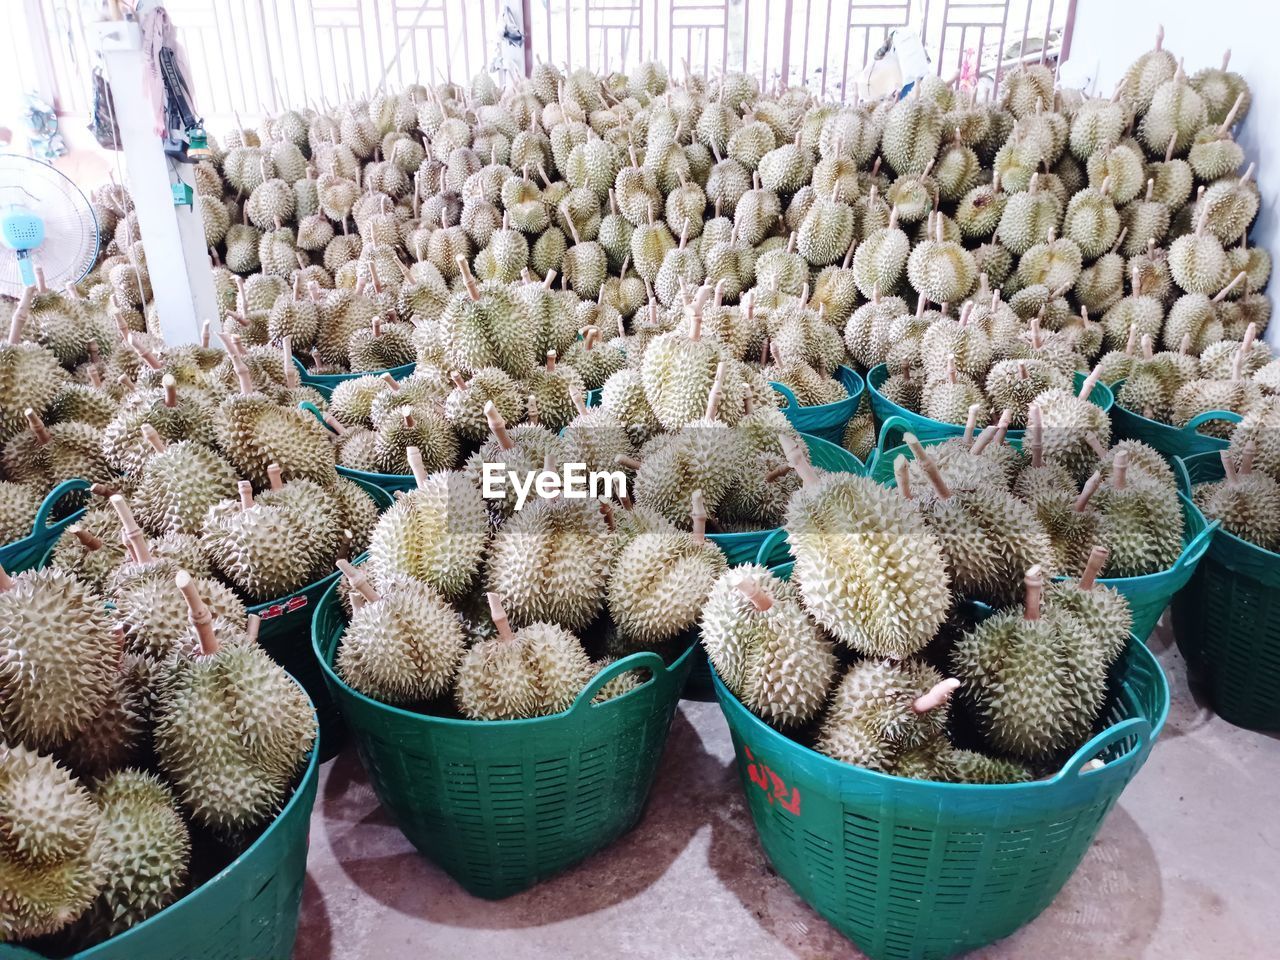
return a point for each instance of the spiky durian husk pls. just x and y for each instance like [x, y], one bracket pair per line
[269, 551]
[869, 569]
[775, 661]
[30, 377]
[403, 648]
[142, 849]
[256, 433]
[871, 722]
[18, 505]
[57, 658]
[1068, 421]
[232, 732]
[1103, 611]
[154, 616]
[703, 456]
[48, 821]
[659, 584]
[1248, 507]
[540, 671]
[550, 563]
[179, 486]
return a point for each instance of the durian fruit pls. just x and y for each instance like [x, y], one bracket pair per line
[551, 562]
[941, 270]
[1072, 426]
[58, 657]
[48, 822]
[596, 437]
[487, 326]
[1246, 501]
[419, 427]
[179, 484]
[533, 672]
[1195, 316]
[18, 505]
[888, 716]
[152, 615]
[1103, 610]
[1014, 384]
[435, 533]
[30, 375]
[1034, 677]
[1141, 522]
[232, 729]
[1197, 261]
[268, 550]
[868, 568]
[1147, 73]
[660, 580]
[464, 406]
[142, 849]
[880, 260]
[986, 533]
[948, 397]
[765, 648]
[401, 647]
[47, 455]
[517, 451]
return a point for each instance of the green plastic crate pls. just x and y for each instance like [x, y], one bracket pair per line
[927, 429]
[1227, 622]
[1148, 596]
[917, 870]
[503, 804]
[825, 421]
[740, 548]
[286, 636]
[325, 382]
[1170, 440]
[29, 552]
[248, 911]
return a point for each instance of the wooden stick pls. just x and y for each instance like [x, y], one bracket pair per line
[197, 613]
[1093, 566]
[755, 594]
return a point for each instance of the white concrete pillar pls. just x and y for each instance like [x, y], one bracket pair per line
[177, 259]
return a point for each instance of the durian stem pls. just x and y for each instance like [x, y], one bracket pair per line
[6, 581]
[1035, 435]
[575, 396]
[243, 376]
[94, 375]
[928, 465]
[1246, 458]
[37, 427]
[1235, 282]
[714, 394]
[406, 418]
[286, 360]
[755, 594]
[359, 582]
[498, 426]
[971, 421]
[626, 462]
[1228, 466]
[1091, 381]
[143, 351]
[1235, 108]
[152, 436]
[698, 514]
[1093, 566]
[198, 613]
[252, 627]
[499, 616]
[548, 280]
[606, 511]
[473, 291]
[777, 473]
[41, 286]
[531, 410]
[1148, 348]
[170, 391]
[1034, 582]
[333, 423]
[936, 696]
[87, 539]
[902, 475]
[1120, 470]
[274, 479]
[246, 494]
[799, 460]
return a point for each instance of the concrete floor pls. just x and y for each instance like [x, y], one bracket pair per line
[1185, 867]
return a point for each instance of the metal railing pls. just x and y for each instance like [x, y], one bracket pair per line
[256, 57]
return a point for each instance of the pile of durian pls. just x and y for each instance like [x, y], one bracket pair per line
[468, 608]
[143, 745]
[858, 655]
[1247, 497]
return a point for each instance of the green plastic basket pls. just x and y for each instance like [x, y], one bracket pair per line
[917, 870]
[503, 804]
[1227, 622]
[286, 636]
[826, 421]
[29, 552]
[1170, 440]
[325, 382]
[248, 910]
[740, 548]
[1148, 596]
[927, 429]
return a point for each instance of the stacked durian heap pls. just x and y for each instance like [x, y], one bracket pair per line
[142, 748]
[859, 653]
[1247, 498]
[469, 608]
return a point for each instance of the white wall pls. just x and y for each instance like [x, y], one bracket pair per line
[1109, 34]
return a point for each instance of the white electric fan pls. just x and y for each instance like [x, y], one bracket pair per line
[45, 222]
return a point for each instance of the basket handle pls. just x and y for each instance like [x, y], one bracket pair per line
[1138, 727]
[312, 409]
[1193, 425]
[890, 424]
[1198, 545]
[41, 522]
[644, 660]
[1183, 475]
[782, 388]
[776, 538]
[852, 381]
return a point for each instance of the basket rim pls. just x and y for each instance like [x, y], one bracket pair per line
[1189, 428]
[1076, 761]
[850, 379]
[1212, 456]
[329, 599]
[333, 379]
